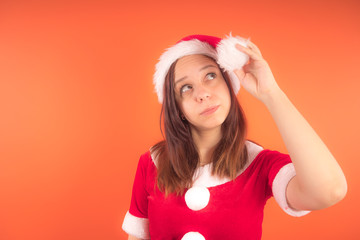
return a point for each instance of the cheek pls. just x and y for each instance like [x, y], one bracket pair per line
[226, 97]
[181, 106]
[185, 108]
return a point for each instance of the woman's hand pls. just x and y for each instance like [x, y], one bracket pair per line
[256, 76]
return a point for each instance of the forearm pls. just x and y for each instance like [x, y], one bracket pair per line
[319, 177]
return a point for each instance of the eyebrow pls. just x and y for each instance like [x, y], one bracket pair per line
[201, 69]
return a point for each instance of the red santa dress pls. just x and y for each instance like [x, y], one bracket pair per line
[212, 208]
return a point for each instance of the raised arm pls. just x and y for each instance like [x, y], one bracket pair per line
[319, 180]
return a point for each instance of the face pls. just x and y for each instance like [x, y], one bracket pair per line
[201, 92]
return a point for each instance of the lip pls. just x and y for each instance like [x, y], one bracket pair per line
[210, 110]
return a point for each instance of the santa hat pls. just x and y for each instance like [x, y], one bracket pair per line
[223, 51]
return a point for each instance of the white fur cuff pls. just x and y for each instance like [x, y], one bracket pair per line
[283, 177]
[135, 226]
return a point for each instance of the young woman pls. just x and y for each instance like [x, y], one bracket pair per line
[205, 180]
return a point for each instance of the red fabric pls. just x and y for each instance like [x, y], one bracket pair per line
[235, 209]
[213, 41]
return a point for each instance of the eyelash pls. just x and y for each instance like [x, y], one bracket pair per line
[182, 87]
[211, 74]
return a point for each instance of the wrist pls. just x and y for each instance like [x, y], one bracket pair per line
[273, 97]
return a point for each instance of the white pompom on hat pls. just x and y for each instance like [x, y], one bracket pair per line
[223, 51]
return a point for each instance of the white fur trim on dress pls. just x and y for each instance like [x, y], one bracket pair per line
[197, 198]
[135, 226]
[193, 236]
[226, 55]
[281, 180]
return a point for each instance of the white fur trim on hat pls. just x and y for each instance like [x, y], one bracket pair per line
[230, 58]
[175, 52]
[226, 55]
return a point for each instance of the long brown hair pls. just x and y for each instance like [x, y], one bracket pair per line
[177, 156]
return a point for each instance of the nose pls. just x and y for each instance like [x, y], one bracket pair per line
[202, 94]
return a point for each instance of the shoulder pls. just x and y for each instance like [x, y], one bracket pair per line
[268, 156]
[253, 150]
[145, 158]
[146, 163]
[145, 173]
[153, 153]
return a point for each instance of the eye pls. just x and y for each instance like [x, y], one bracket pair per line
[185, 88]
[211, 76]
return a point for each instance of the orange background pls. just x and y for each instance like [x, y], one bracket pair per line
[77, 104]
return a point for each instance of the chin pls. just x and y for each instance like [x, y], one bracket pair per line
[213, 124]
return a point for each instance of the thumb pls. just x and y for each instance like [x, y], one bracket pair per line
[246, 68]
[240, 73]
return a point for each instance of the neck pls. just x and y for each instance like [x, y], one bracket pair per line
[205, 141]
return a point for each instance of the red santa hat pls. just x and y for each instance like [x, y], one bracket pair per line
[223, 51]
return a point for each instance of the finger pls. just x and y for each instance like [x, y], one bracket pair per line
[252, 54]
[252, 45]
